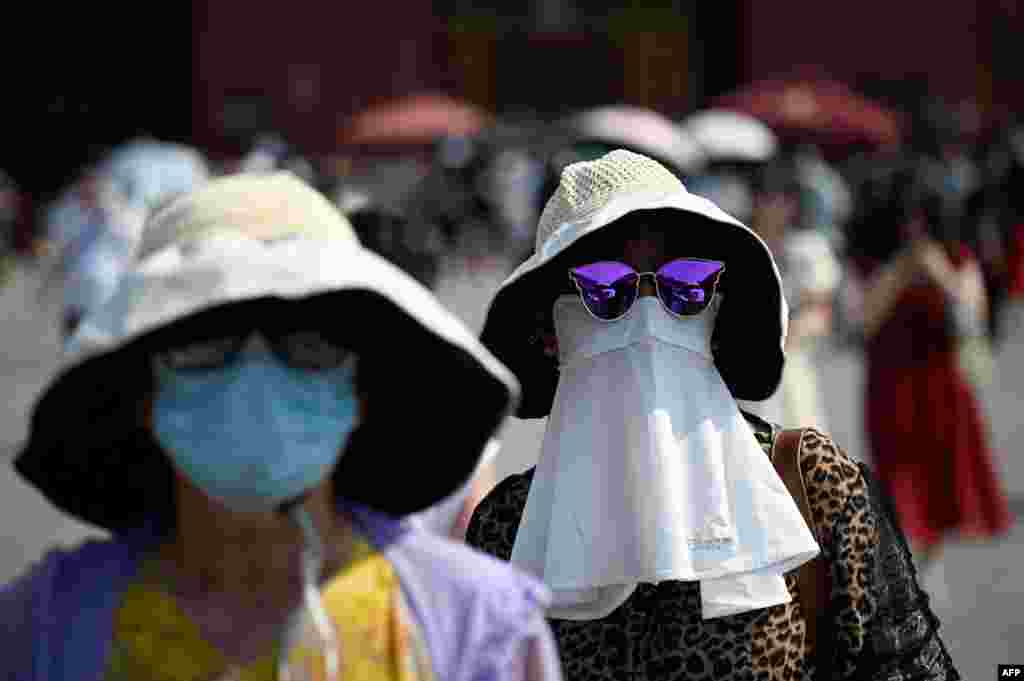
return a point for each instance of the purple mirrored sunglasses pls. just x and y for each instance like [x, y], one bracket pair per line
[685, 286]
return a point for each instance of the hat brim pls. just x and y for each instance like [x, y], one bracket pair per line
[435, 395]
[750, 328]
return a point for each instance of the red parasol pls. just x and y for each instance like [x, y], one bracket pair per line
[817, 110]
[414, 120]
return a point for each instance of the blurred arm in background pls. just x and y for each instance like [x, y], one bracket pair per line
[922, 258]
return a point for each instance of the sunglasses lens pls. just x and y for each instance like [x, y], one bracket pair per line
[206, 354]
[608, 289]
[298, 349]
[687, 286]
[309, 350]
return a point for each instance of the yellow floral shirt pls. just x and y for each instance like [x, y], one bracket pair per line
[155, 640]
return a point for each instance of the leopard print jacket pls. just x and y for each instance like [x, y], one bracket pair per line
[882, 628]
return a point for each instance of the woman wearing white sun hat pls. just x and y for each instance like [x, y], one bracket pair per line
[655, 515]
[233, 416]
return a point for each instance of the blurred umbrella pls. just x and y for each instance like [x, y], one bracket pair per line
[731, 136]
[419, 119]
[640, 130]
[816, 110]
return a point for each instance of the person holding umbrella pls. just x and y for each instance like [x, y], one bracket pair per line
[233, 416]
[666, 522]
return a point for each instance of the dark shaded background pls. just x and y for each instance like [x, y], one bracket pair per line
[215, 74]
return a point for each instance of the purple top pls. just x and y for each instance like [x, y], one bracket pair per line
[480, 617]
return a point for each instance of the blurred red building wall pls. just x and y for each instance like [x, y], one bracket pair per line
[962, 50]
[301, 67]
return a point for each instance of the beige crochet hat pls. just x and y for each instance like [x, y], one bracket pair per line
[244, 247]
[751, 325]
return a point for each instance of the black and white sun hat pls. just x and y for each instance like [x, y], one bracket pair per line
[266, 244]
[591, 197]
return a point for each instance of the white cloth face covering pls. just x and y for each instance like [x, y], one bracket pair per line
[649, 472]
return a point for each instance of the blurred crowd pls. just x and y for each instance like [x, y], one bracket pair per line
[813, 191]
[826, 177]
[897, 232]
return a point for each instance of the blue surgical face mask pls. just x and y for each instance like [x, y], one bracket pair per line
[255, 433]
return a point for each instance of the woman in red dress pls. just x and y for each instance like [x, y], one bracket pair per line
[923, 294]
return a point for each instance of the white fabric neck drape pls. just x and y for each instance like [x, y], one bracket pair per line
[648, 472]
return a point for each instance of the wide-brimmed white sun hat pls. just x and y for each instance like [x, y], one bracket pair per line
[252, 246]
[752, 321]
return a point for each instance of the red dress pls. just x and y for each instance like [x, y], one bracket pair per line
[929, 441]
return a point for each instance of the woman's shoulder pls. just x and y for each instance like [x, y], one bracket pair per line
[495, 521]
[834, 480]
[472, 606]
[824, 462]
[438, 565]
[452, 569]
[512, 490]
[831, 476]
[65, 595]
[91, 555]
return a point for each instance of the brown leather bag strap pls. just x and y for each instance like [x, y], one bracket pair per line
[812, 576]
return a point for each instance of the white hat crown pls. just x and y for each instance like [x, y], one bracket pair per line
[588, 186]
[265, 207]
